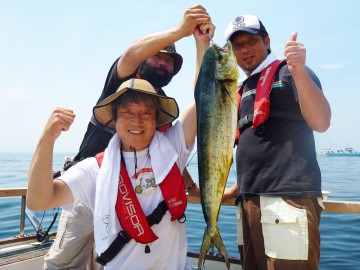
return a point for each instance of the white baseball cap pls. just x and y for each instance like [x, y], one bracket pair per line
[246, 23]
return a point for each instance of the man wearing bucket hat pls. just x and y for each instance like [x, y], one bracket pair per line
[154, 58]
[138, 174]
[75, 251]
[278, 189]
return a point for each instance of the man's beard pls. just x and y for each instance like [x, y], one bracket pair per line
[152, 76]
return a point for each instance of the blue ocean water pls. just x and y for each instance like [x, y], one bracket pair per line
[340, 233]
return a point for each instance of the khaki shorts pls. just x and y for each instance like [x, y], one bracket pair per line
[239, 227]
[74, 240]
[281, 232]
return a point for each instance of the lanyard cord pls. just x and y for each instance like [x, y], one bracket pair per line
[135, 159]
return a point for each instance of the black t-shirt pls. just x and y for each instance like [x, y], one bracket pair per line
[97, 138]
[277, 158]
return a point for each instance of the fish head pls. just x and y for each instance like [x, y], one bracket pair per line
[227, 70]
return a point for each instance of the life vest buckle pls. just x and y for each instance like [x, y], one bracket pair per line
[245, 122]
[124, 236]
[100, 261]
[182, 219]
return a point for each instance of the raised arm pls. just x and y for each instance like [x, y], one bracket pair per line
[149, 45]
[313, 104]
[202, 43]
[44, 192]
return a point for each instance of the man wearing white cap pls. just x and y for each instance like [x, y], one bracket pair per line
[139, 173]
[278, 189]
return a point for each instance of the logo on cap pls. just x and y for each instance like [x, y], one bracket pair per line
[246, 23]
[238, 23]
[238, 20]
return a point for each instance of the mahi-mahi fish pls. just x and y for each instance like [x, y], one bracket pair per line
[216, 106]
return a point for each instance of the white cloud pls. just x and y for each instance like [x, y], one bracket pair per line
[334, 65]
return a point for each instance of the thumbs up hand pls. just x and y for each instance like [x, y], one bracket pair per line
[293, 36]
[295, 53]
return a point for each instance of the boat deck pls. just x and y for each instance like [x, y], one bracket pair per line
[14, 254]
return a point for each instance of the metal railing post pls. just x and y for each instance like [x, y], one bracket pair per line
[22, 216]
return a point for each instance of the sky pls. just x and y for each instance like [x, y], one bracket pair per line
[58, 53]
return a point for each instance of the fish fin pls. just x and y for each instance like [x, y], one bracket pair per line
[204, 248]
[221, 247]
[227, 92]
[208, 239]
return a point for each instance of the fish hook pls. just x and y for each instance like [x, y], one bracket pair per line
[210, 37]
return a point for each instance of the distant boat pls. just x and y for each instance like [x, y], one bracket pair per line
[324, 152]
[346, 152]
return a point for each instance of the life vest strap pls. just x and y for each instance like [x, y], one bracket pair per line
[262, 98]
[123, 238]
[156, 216]
[245, 122]
[120, 241]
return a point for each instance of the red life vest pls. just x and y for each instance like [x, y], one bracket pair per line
[163, 128]
[131, 217]
[262, 95]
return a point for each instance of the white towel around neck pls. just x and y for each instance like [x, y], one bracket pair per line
[163, 156]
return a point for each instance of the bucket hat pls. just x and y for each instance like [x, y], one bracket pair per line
[178, 60]
[168, 112]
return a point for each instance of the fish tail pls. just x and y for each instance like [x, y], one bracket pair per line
[204, 248]
[220, 246]
[208, 239]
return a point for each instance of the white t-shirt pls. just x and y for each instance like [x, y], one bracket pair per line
[170, 250]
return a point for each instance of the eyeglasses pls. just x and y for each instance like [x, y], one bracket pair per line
[252, 40]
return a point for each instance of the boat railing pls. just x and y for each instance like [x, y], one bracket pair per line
[17, 192]
[352, 207]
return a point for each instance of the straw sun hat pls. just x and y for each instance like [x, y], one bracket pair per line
[169, 109]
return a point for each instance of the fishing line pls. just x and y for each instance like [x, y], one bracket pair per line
[191, 158]
[210, 37]
[41, 222]
[233, 170]
[40, 234]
